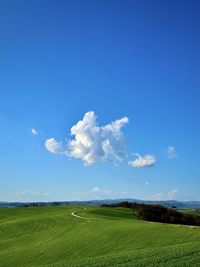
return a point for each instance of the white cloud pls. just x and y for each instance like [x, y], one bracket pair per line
[96, 193]
[54, 146]
[93, 143]
[171, 152]
[124, 193]
[165, 196]
[101, 193]
[98, 190]
[157, 196]
[172, 194]
[34, 132]
[143, 161]
[31, 193]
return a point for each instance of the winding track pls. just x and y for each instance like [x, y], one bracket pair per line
[80, 217]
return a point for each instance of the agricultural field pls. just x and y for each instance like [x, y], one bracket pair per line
[93, 236]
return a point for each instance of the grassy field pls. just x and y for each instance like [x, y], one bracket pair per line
[191, 211]
[51, 236]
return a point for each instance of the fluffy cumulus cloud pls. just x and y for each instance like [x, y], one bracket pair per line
[92, 143]
[171, 152]
[54, 146]
[143, 161]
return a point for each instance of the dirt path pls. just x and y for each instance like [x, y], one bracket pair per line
[74, 213]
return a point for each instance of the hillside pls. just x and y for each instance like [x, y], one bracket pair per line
[51, 236]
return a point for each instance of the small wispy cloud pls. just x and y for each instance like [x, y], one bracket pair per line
[171, 194]
[124, 193]
[98, 190]
[157, 196]
[95, 193]
[54, 146]
[101, 193]
[34, 131]
[165, 196]
[31, 193]
[143, 161]
[171, 152]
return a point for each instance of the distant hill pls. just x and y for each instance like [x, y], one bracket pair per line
[165, 203]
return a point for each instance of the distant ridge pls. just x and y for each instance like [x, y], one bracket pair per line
[165, 203]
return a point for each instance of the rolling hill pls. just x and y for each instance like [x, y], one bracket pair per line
[51, 236]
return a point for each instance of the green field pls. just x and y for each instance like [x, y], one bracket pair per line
[191, 211]
[51, 236]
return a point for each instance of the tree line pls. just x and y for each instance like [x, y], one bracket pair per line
[158, 213]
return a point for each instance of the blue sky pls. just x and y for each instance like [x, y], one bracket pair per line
[138, 60]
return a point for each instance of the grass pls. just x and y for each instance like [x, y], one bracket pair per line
[50, 236]
[191, 211]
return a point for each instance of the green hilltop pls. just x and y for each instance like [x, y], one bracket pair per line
[51, 236]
